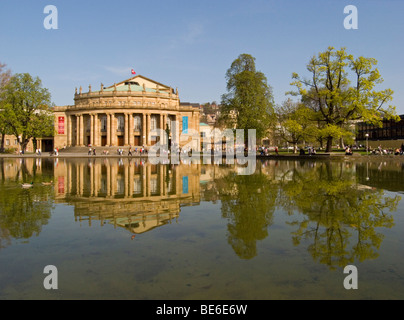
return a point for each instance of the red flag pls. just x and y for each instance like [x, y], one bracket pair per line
[133, 71]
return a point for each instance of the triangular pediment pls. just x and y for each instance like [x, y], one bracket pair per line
[143, 81]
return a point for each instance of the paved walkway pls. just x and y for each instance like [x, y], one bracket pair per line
[82, 152]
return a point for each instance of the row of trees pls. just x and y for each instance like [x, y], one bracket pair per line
[338, 91]
[25, 108]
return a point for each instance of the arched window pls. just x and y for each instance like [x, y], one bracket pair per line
[104, 124]
[169, 124]
[137, 123]
[88, 124]
[153, 123]
[121, 123]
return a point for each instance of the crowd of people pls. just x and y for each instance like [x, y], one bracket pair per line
[388, 151]
[139, 151]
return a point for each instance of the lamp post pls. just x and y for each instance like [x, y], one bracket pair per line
[367, 144]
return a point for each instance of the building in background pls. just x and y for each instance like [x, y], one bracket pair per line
[125, 114]
[389, 135]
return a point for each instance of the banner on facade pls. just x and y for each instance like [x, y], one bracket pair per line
[61, 125]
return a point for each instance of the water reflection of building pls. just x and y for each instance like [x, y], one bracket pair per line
[128, 193]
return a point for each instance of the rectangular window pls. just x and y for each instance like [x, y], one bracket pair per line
[104, 124]
[7, 142]
[185, 125]
[121, 124]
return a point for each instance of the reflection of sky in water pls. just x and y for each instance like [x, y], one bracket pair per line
[258, 237]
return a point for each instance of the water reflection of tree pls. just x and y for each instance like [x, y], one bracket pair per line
[23, 212]
[248, 204]
[340, 217]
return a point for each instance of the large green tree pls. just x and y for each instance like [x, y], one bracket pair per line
[27, 108]
[293, 123]
[341, 89]
[5, 75]
[248, 103]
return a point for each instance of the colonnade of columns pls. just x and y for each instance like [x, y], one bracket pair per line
[90, 128]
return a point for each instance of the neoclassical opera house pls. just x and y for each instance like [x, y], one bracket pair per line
[124, 114]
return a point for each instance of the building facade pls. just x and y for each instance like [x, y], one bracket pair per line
[389, 135]
[125, 114]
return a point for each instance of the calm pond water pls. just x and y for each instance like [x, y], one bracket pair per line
[125, 229]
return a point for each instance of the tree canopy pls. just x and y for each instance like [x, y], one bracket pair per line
[27, 108]
[248, 103]
[293, 123]
[5, 75]
[341, 89]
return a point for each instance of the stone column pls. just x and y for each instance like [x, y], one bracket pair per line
[77, 142]
[161, 122]
[161, 126]
[68, 131]
[126, 130]
[82, 130]
[92, 129]
[165, 138]
[130, 128]
[144, 129]
[78, 122]
[113, 130]
[97, 141]
[148, 129]
[108, 129]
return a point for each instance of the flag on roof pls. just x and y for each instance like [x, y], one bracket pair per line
[133, 71]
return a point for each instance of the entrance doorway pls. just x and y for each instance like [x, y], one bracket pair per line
[137, 141]
[47, 145]
[154, 140]
[120, 141]
[103, 141]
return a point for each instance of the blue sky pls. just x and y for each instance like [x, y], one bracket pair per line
[190, 44]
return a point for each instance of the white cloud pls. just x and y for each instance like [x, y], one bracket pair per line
[192, 33]
[120, 71]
